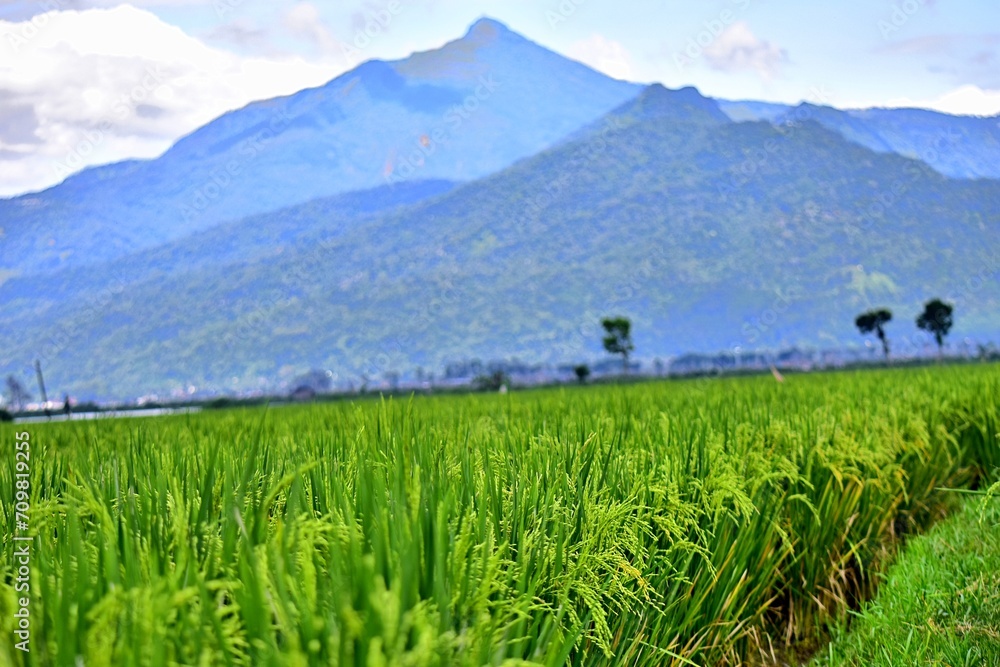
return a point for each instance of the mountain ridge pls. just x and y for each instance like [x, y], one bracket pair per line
[523, 263]
[958, 146]
[491, 199]
[345, 135]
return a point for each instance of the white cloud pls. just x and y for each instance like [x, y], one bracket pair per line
[965, 101]
[603, 54]
[79, 88]
[738, 49]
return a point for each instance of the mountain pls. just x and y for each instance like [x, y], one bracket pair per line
[36, 298]
[457, 113]
[748, 110]
[659, 103]
[956, 146]
[710, 234]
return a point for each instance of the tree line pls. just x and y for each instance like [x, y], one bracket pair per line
[936, 318]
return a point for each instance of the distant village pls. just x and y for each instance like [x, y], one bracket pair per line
[476, 375]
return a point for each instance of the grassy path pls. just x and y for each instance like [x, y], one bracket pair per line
[940, 603]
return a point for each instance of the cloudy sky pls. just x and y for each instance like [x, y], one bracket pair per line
[86, 82]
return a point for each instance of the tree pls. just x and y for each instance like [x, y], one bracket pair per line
[875, 320]
[582, 373]
[16, 393]
[495, 381]
[937, 320]
[619, 338]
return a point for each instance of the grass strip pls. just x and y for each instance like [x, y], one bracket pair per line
[940, 603]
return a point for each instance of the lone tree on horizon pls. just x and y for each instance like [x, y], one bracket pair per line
[875, 320]
[619, 338]
[937, 320]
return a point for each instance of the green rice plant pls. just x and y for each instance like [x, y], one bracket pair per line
[666, 523]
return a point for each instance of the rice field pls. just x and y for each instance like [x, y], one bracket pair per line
[673, 523]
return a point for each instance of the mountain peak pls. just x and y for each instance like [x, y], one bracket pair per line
[657, 91]
[487, 31]
[486, 43]
[658, 101]
[487, 24]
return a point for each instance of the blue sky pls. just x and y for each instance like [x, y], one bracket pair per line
[65, 64]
